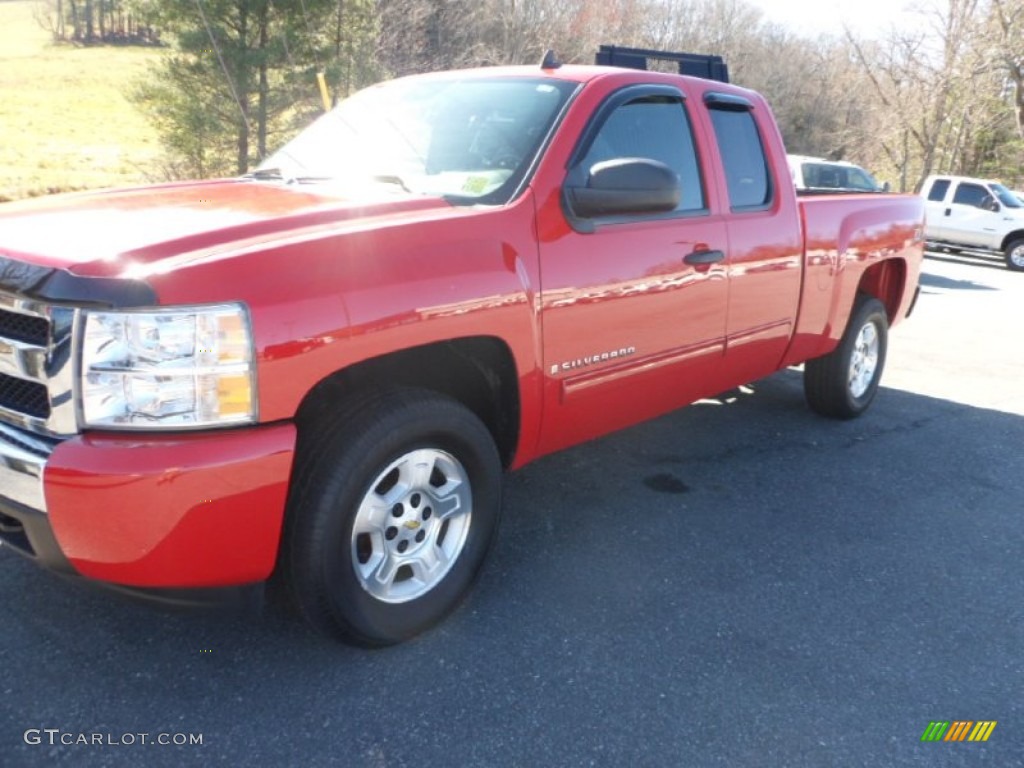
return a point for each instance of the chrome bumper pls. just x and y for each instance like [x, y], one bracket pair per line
[22, 462]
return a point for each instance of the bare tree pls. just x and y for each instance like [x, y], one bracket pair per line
[926, 81]
[1007, 28]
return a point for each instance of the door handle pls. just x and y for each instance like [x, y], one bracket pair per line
[949, 211]
[698, 258]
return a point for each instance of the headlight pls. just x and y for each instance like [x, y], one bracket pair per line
[177, 368]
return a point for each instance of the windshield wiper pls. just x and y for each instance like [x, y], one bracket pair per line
[390, 178]
[265, 173]
[274, 174]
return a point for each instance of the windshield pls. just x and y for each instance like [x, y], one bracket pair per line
[834, 176]
[470, 139]
[1005, 196]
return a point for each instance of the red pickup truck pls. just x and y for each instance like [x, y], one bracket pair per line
[320, 371]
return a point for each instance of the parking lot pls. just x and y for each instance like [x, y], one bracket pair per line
[740, 583]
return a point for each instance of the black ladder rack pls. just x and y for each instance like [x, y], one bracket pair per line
[694, 64]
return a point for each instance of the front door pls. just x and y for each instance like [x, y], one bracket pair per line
[632, 327]
[971, 219]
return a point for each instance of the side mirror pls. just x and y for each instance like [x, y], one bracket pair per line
[886, 186]
[623, 186]
[990, 204]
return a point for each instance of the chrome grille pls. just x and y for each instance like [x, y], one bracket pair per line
[35, 366]
[28, 397]
[24, 328]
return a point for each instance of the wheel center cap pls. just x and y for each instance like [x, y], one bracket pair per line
[412, 525]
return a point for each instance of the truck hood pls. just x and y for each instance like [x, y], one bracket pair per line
[107, 233]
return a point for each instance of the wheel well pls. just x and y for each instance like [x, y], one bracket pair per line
[1015, 235]
[478, 372]
[885, 281]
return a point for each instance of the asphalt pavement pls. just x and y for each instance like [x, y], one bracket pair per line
[740, 583]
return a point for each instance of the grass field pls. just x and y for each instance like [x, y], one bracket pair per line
[64, 120]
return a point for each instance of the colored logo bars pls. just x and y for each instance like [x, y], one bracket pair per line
[958, 730]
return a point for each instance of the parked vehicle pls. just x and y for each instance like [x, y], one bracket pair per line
[975, 214]
[320, 370]
[817, 176]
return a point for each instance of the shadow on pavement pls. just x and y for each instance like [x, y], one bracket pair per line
[939, 281]
[969, 258]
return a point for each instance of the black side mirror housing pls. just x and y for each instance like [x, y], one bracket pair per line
[621, 187]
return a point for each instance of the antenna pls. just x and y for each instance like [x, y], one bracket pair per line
[550, 60]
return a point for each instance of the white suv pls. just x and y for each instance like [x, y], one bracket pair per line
[977, 214]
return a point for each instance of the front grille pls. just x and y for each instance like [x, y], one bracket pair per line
[27, 397]
[36, 376]
[24, 328]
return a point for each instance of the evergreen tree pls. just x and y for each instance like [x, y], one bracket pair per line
[244, 71]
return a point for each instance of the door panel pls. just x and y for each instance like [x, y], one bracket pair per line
[765, 246]
[966, 222]
[630, 328]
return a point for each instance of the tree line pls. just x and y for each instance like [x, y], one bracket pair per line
[92, 22]
[943, 94]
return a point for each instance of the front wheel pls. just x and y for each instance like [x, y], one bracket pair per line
[395, 504]
[843, 383]
[1014, 255]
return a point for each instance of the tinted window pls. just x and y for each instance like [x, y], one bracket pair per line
[938, 190]
[835, 176]
[971, 194]
[746, 168]
[860, 179]
[655, 128]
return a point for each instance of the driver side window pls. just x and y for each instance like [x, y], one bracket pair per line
[654, 128]
[971, 194]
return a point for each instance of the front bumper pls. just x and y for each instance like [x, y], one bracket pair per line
[174, 511]
[22, 459]
[24, 525]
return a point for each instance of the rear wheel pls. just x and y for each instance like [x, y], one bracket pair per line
[396, 502]
[1014, 254]
[843, 383]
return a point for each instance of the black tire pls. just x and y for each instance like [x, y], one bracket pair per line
[1014, 255]
[831, 385]
[346, 468]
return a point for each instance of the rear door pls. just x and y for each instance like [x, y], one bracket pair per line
[935, 208]
[765, 242]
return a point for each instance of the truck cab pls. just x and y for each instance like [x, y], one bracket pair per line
[981, 214]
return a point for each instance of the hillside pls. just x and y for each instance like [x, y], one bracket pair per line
[64, 120]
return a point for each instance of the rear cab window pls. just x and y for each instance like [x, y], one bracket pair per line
[938, 191]
[741, 148]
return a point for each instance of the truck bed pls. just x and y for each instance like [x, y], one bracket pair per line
[844, 237]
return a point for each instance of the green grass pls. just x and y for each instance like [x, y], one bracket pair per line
[65, 122]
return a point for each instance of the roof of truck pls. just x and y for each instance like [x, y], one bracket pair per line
[580, 73]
